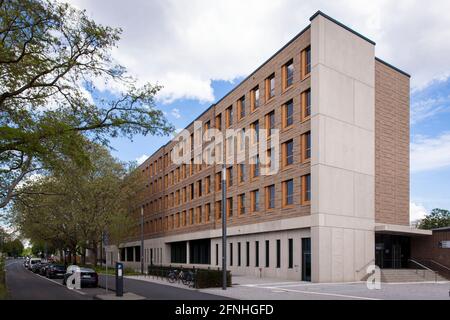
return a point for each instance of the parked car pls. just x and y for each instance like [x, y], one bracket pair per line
[54, 270]
[43, 268]
[32, 262]
[25, 263]
[88, 277]
[36, 267]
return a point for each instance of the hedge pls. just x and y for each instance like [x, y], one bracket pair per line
[204, 278]
[3, 292]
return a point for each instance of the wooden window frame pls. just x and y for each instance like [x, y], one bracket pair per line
[267, 123]
[303, 59]
[241, 205]
[229, 173]
[304, 191]
[253, 105]
[253, 201]
[303, 107]
[218, 210]
[284, 195]
[268, 91]
[284, 75]
[284, 156]
[240, 165]
[218, 122]
[303, 149]
[207, 212]
[241, 108]
[218, 181]
[199, 214]
[284, 113]
[208, 185]
[267, 197]
[229, 117]
[229, 207]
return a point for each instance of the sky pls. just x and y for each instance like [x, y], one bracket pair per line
[199, 50]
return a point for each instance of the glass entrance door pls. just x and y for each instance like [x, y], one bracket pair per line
[306, 259]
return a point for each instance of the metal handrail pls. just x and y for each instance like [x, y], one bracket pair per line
[419, 264]
[426, 268]
[439, 264]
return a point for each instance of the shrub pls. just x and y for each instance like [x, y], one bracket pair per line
[205, 278]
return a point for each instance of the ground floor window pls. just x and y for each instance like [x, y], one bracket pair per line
[178, 252]
[199, 251]
[256, 253]
[278, 253]
[130, 253]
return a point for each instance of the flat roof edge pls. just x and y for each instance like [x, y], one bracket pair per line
[392, 67]
[320, 13]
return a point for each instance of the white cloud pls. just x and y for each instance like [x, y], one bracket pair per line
[184, 45]
[416, 211]
[141, 159]
[427, 108]
[175, 113]
[430, 153]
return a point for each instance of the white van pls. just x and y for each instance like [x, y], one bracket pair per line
[32, 262]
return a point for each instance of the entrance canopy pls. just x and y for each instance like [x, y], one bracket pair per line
[401, 230]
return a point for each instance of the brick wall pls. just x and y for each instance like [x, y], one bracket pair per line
[391, 145]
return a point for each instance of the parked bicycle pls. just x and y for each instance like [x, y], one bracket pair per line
[189, 279]
[175, 276]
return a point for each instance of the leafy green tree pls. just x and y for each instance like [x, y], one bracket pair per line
[52, 59]
[72, 208]
[13, 248]
[438, 218]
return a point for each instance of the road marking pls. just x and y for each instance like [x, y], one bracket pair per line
[322, 293]
[56, 282]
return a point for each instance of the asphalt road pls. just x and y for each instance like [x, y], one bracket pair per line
[155, 291]
[23, 284]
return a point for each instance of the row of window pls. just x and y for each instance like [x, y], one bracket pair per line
[192, 191]
[287, 76]
[257, 263]
[201, 214]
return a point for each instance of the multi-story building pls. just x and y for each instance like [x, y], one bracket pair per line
[340, 199]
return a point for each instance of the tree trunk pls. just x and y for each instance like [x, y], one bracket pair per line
[95, 252]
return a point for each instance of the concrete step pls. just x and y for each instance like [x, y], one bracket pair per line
[409, 275]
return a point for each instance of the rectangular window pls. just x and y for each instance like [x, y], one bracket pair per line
[208, 212]
[278, 253]
[199, 188]
[229, 176]
[254, 98]
[306, 189]
[306, 104]
[270, 197]
[291, 253]
[287, 153]
[270, 123]
[217, 254]
[254, 197]
[206, 128]
[288, 74]
[239, 254]
[208, 184]
[241, 107]
[270, 87]
[288, 114]
[255, 132]
[306, 62]
[191, 216]
[191, 191]
[267, 253]
[255, 167]
[229, 117]
[241, 203]
[230, 207]
[247, 254]
[218, 181]
[256, 253]
[219, 122]
[218, 210]
[241, 174]
[306, 146]
[288, 192]
[183, 218]
[231, 254]
[199, 215]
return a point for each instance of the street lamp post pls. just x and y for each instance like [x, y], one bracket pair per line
[142, 240]
[224, 228]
